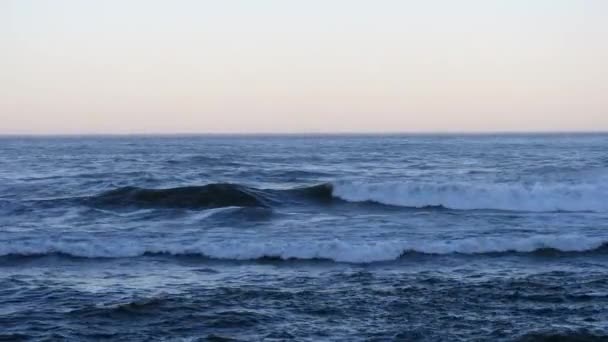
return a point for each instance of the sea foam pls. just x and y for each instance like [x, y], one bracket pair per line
[534, 197]
[336, 250]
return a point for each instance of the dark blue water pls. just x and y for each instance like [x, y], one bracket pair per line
[304, 238]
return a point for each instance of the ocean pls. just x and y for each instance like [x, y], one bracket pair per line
[309, 238]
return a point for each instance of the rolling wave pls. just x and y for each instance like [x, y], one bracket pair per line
[335, 250]
[534, 197]
[537, 197]
[206, 196]
[215, 195]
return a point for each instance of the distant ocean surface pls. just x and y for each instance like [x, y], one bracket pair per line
[309, 238]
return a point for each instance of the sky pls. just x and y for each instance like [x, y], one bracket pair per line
[314, 66]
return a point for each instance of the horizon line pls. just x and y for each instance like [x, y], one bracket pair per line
[329, 133]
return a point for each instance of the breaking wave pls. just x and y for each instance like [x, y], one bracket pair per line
[535, 197]
[525, 197]
[334, 250]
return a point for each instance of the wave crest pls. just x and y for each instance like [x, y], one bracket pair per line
[535, 197]
[215, 195]
[206, 196]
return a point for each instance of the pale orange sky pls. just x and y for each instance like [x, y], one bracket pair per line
[145, 66]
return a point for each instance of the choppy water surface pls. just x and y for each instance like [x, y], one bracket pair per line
[304, 238]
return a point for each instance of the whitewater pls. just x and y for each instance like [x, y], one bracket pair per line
[389, 237]
[537, 196]
[334, 250]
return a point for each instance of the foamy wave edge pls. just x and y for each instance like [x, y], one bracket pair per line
[534, 197]
[336, 250]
